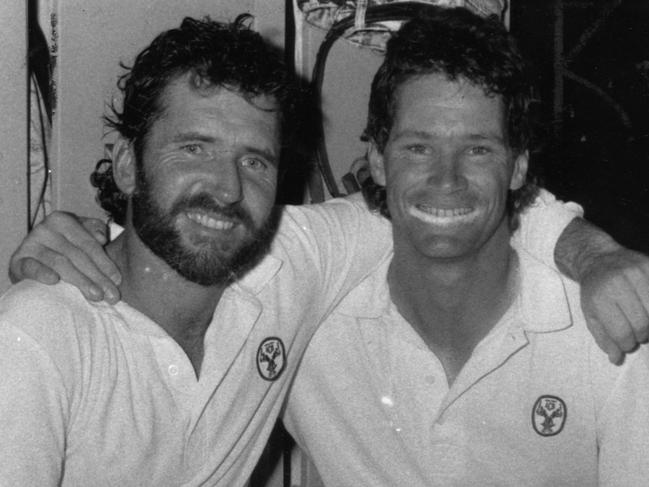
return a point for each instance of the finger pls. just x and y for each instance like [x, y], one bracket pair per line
[86, 239]
[622, 334]
[29, 268]
[608, 314]
[71, 263]
[610, 348]
[640, 283]
[76, 267]
[604, 342]
[629, 300]
[93, 256]
[68, 272]
[97, 228]
[637, 317]
[615, 355]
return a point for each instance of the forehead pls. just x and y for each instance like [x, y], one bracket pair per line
[217, 111]
[434, 104]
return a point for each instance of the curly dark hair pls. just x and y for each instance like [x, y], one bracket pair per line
[228, 55]
[461, 45]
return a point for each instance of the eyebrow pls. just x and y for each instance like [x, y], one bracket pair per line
[421, 134]
[185, 136]
[197, 136]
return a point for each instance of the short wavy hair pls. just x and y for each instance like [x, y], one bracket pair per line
[228, 55]
[460, 45]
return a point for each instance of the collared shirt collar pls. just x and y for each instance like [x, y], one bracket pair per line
[371, 298]
[260, 276]
[542, 301]
[536, 304]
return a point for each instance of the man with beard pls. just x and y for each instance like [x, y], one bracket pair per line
[181, 382]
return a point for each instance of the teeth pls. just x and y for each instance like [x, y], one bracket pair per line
[444, 212]
[209, 222]
[442, 216]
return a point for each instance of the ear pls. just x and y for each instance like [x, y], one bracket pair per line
[519, 173]
[124, 166]
[377, 163]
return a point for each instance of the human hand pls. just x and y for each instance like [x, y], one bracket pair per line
[66, 247]
[615, 300]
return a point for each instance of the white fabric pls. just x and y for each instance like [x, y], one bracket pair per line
[541, 224]
[371, 404]
[92, 394]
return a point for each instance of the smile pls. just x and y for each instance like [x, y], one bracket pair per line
[209, 222]
[442, 216]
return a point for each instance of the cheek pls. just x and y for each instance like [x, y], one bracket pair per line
[167, 186]
[265, 184]
[402, 180]
[259, 193]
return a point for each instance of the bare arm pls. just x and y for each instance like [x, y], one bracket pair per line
[614, 286]
[66, 247]
[614, 280]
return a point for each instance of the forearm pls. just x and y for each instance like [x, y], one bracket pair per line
[579, 246]
[614, 285]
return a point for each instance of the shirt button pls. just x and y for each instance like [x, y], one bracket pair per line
[173, 370]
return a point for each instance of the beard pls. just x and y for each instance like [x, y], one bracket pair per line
[205, 261]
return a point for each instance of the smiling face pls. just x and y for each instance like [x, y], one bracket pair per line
[446, 167]
[205, 188]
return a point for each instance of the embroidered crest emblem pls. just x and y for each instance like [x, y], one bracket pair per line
[549, 415]
[271, 358]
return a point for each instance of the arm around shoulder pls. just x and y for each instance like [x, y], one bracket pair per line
[69, 248]
[614, 280]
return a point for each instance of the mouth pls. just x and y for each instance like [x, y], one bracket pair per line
[209, 221]
[442, 216]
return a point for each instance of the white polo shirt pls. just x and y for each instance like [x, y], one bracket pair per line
[537, 403]
[94, 395]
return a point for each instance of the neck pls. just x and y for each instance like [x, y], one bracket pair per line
[454, 302]
[182, 308]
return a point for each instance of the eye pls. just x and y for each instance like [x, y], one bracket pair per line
[254, 163]
[192, 148]
[479, 150]
[417, 148]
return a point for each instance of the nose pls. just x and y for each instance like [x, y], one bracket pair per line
[226, 178]
[446, 173]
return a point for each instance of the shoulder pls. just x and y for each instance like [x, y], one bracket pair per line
[332, 217]
[551, 307]
[54, 317]
[337, 242]
[30, 300]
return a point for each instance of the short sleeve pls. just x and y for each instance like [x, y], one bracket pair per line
[541, 225]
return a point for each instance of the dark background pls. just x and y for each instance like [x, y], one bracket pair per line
[595, 116]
